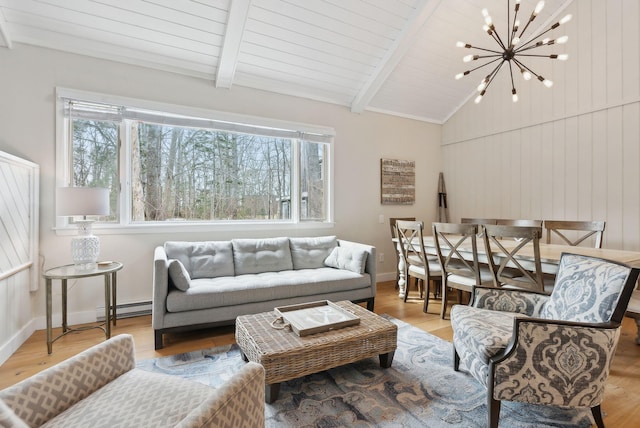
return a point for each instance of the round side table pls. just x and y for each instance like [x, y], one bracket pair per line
[67, 272]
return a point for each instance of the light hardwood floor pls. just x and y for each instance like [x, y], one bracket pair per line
[621, 404]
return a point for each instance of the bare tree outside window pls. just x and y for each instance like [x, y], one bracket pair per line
[197, 172]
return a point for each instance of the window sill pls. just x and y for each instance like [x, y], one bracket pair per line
[176, 227]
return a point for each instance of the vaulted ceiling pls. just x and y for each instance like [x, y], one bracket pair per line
[391, 56]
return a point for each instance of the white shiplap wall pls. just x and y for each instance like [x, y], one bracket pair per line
[571, 152]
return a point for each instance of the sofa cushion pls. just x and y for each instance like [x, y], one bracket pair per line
[353, 259]
[261, 255]
[179, 275]
[310, 253]
[207, 259]
[263, 287]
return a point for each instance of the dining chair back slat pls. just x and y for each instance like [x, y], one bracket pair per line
[394, 235]
[503, 246]
[519, 222]
[583, 230]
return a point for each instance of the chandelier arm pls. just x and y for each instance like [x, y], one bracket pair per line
[493, 74]
[513, 27]
[531, 18]
[483, 65]
[497, 38]
[552, 56]
[485, 49]
[513, 86]
[527, 68]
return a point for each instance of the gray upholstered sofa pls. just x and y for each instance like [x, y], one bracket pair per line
[209, 283]
[101, 387]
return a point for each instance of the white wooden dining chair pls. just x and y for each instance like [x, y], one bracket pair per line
[451, 240]
[423, 267]
[579, 231]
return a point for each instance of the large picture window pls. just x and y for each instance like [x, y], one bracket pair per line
[163, 166]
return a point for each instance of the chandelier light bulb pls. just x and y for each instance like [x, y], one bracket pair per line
[563, 57]
[468, 58]
[516, 40]
[546, 41]
[514, 95]
[526, 75]
[566, 19]
[478, 99]
[460, 44]
[459, 76]
[562, 40]
[539, 7]
[548, 83]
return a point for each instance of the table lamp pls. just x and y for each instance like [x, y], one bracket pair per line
[83, 201]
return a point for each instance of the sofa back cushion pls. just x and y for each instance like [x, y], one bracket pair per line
[261, 255]
[587, 289]
[310, 253]
[207, 259]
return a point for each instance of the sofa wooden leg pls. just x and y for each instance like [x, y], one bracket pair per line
[370, 303]
[158, 339]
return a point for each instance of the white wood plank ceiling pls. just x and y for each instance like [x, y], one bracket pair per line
[392, 56]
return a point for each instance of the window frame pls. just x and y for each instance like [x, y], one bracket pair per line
[125, 224]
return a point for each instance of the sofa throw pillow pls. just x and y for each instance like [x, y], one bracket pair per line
[261, 255]
[352, 259]
[206, 259]
[310, 253]
[179, 275]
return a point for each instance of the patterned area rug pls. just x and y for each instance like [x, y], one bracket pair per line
[419, 390]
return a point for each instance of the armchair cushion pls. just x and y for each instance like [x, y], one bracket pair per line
[482, 334]
[586, 290]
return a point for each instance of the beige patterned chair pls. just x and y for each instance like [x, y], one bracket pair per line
[101, 387]
[546, 349]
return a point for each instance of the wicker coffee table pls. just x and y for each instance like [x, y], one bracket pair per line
[285, 355]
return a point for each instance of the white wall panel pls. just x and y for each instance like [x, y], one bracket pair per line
[571, 152]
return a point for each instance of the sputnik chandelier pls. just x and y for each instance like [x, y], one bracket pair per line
[511, 50]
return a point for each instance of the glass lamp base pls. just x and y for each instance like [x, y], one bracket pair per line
[84, 251]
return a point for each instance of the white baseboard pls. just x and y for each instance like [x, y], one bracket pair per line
[385, 276]
[12, 345]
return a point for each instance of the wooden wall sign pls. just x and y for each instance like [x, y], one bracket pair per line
[397, 182]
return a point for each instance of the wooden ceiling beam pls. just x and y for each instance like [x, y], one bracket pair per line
[394, 55]
[4, 31]
[238, 13]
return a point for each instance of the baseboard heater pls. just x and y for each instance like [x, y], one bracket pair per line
[126, 310]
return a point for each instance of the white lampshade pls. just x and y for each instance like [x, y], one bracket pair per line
[82, 201]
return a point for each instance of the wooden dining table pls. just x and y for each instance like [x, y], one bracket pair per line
[549, 255]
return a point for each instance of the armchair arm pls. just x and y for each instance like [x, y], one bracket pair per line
[554, 362]
[508, 300]
[52, 391]
[239, 403]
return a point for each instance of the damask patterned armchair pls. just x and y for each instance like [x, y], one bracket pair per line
[546, 349]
